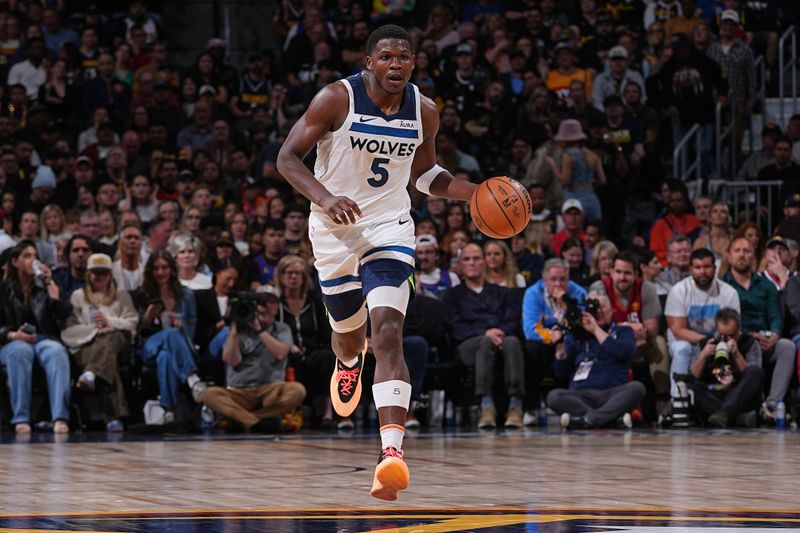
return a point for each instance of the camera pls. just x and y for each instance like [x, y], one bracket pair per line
[573, 316]
[722, 355]
[243, 306]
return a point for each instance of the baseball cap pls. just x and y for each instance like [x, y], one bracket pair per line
[207, 89]
[771, 128]
[216, 42]
[463, 48]
[186, 175]
[426, 240]
[572, 203]
[792, 201]
[98, 262]
[224, 239]
[84, 159]
[730, 15]
[269, 289]
[563, 45]
[618, 52]
[777, 241]
[45, 178]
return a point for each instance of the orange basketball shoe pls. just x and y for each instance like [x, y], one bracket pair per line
[391, 475]
[346, 386]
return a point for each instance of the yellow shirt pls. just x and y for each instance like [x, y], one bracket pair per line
[559, 83]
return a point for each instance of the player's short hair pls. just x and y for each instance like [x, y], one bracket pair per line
[389, 31]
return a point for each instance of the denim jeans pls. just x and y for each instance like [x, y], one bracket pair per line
[682, 354]
[174, 362]
[18, 357]
[218, 342]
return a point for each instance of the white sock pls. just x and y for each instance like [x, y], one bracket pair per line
[191, 380]
[351, 363]
[392, 435]
[88, 377]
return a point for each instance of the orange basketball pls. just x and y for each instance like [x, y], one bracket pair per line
[500, 207]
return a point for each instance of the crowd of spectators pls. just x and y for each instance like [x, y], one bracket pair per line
[140, 196]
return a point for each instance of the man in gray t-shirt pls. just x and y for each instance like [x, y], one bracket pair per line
[691, 308]
[635, 303]
[256, 357]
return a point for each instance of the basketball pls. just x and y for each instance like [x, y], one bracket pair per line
[500, 207]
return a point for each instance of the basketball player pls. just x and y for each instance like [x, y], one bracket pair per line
[373, 131]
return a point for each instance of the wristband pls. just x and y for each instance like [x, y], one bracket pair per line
[424, 181]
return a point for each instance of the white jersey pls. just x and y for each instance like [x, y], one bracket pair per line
[368, 159]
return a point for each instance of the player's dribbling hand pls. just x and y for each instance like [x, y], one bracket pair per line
[341, 209]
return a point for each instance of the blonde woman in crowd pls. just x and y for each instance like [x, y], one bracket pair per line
[98, 333]
[501, 269]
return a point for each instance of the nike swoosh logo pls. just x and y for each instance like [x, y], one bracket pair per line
[363, 119]
[403, 222]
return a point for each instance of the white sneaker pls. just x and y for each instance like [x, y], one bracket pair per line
[345, 424]
[564, 420]
[530, 419]
[627, 421]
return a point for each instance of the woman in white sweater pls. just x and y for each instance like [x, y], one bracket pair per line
[98, 334]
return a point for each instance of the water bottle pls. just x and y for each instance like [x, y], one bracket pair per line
[450, 414]
[37, 269]
[542, 419]
[780, 415]
[206, 417]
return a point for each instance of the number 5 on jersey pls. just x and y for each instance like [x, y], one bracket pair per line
[378, 170]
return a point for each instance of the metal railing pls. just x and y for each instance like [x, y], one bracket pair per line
[684, 166]
[725, 135]
[760, 98]
[747, 198]
[784, 65]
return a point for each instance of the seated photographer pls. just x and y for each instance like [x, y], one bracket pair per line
[483, 322]
[543, 307]
[728, 373]
[595, 358]
[31, 316]
[690, 309]
[98, 333]
[256, 357]
[634, 303]
[762, 319]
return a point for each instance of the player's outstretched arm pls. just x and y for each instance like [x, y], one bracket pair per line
[323, 114]
[426, 175]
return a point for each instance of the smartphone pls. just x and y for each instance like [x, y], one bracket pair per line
[29, 329]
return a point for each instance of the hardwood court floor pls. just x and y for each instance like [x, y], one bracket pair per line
[505, 473]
